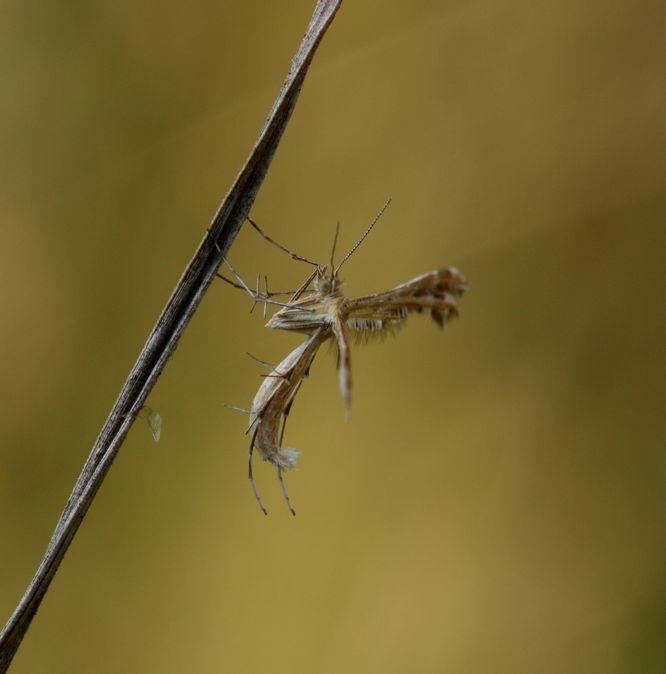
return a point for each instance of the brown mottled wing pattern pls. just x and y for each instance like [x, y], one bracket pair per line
[325, 314]
[435, 293]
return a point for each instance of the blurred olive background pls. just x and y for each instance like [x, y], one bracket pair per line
[497, 503]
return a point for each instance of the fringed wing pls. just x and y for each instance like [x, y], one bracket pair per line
[303, 315]
[271, 406]
[435, 293]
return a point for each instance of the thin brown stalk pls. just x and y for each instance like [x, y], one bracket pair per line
[164, 337]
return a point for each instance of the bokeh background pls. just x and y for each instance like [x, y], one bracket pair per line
[497, 503]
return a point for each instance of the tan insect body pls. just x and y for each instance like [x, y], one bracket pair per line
[320, 310]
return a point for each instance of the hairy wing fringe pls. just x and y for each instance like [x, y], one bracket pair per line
[363, 331]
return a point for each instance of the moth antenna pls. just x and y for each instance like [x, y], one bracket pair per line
[285, 493]
[249, 474]
[335, 241]
[292, 255]
[360, 241]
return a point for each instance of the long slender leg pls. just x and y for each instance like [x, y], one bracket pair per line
[285, 414]
[267, 295]
[254, 424]
[292, 255]
[249, 474]
[305, 284]
[258, 297]
[237, 409]
[285, 493]
[273, 293]
[344, 364]
[255, 296]
[265, 363]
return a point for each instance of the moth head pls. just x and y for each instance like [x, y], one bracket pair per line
[323, 284]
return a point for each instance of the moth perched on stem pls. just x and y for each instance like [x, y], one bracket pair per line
[320, 310]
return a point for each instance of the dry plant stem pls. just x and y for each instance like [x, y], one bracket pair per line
[162, 341]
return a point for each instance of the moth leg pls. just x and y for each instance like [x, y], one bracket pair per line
[267, 295]
[215, 243]
[265, 363]
[273, 293]
[267, 292]
[305, 285]
[276, 374]
[251, 476]
[344, 364]
[259, 412]
[255, 295]
[238, 409]
[292, 255]
[255, 423]
[285, 414]
[285, 493]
